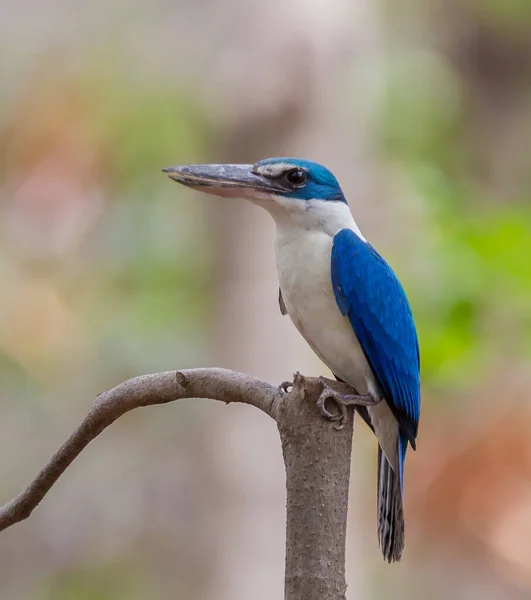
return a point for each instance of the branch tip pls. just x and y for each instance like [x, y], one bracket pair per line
[300, 383]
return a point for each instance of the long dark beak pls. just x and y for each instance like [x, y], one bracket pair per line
[238, 181]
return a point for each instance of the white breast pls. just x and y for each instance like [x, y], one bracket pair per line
[303, 263]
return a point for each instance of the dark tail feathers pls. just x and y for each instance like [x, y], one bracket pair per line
[390, 510]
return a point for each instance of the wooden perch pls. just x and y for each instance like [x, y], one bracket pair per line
[316, 456]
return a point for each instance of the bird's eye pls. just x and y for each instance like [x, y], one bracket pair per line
[296, 177]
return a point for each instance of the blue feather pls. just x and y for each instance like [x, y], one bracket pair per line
[369, 293]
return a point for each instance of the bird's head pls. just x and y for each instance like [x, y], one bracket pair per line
[283, 186]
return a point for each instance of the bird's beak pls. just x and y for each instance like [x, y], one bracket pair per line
[233, 181]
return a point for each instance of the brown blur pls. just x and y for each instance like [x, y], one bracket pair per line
[109, 270]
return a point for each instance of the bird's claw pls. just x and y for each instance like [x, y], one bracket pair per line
[285, 387]
[341, 417]
[342, 402]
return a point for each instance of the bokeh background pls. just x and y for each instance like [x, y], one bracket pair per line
[109, 270]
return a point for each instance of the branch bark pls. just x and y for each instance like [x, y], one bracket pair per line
[316, 456]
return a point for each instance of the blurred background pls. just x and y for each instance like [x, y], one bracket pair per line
[109, 270]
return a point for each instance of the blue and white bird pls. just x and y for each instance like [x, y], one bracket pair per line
[346, 302]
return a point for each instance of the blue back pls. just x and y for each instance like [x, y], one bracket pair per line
[369, 293]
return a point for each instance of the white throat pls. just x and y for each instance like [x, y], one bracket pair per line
[327, 217]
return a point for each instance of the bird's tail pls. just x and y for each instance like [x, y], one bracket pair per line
[390, 508]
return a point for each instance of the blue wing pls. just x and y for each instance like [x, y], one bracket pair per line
[369, 293]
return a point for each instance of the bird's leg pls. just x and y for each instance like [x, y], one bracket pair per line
[343, 402]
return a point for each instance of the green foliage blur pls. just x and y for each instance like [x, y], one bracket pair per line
[470, 264]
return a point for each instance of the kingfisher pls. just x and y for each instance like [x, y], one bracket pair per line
[346, 302]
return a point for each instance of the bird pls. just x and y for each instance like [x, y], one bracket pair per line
[346, 302]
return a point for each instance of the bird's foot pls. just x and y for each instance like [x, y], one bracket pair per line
[343, 402]
[285, 387]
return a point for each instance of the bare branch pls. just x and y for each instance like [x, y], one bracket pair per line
[160, 388]
[316, 456]
[317, 459]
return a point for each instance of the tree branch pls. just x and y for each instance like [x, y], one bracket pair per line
[317, 459]
[160, 388]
